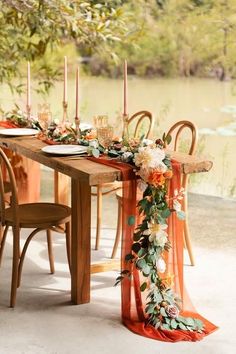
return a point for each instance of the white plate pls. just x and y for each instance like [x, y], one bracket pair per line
[18, 131]
[65, 149]
[85, 126]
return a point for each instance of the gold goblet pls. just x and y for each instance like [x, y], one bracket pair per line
[104, 136]
[44, 115]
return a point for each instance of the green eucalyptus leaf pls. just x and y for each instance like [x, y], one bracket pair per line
[95, 153]
[131, 220]
[168, 139]
[146, 270]
[142, 252]
[136, 247]
[141, 263]
[163, 312]
[166, 326]
[181, 326]
[129, 257]
[180, 214]
[165, 213]
[150, 308]
[143, 286]
[173, 323]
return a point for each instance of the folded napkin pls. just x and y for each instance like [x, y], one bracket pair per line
[7, 124]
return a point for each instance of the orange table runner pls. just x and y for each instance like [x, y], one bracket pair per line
[27, 172]
[132, 300]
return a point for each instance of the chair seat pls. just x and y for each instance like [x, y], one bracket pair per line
[40, 215]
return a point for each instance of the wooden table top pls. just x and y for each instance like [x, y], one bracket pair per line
[82, 168]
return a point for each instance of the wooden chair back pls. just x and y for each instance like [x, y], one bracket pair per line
[177, 130]
[138, 120]
[12, 189]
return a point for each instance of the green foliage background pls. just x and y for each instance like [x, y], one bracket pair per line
[157, 37]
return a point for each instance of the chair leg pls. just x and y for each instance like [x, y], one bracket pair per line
[50, 251]
[187, 240]
[99, 216]
[15, 264]
[22, 255]
[68, 243]
[2, 244]
[118, 229]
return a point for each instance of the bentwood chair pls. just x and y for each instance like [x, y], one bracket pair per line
[176, 131]
[139, 124]
[37, 216]
[181, 141]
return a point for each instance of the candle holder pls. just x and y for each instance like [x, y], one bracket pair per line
[125, 134]
[64, 105]
[28, 111]
[77, 127]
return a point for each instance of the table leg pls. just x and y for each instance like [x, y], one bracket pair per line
[61, 187]
[81, 240]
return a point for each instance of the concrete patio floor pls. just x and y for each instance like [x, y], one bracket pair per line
[45, 322]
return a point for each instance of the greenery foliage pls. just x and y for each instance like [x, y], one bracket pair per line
[30, 28]
[184, 37]
[157, 37]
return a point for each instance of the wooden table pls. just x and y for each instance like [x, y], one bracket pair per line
[84, 174]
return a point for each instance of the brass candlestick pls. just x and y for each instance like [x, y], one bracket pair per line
[125, 134]
[28, 111]
[64, 105]
[77, 127]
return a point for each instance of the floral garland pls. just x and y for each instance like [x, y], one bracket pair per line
[150, 239]
[20, 119]
[57, 132]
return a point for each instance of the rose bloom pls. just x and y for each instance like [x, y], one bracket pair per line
[156, 179]
[161, 265]
[172, 311]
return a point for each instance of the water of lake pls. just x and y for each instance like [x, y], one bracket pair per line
[210, 104]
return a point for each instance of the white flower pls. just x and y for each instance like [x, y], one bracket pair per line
[157, 233]
[148, 157]
[161, 167]
[161, 265]
[176, 205]
[126, 156]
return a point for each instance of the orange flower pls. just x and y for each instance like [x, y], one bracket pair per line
[169, 280]
[156, 179]
[168, 174]
[91, 135]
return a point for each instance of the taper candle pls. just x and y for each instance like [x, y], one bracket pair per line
[65, 80]
[77, 94]
[28, 85]
[125, 88]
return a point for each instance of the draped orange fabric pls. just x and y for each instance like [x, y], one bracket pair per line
[27, 172]
[132, 300]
